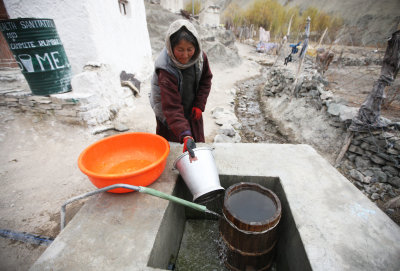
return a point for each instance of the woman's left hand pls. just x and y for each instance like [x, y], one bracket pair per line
[196, 113]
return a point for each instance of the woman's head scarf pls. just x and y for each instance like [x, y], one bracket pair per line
[173, 28]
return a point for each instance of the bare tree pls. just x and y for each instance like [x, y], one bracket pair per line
[368, 116]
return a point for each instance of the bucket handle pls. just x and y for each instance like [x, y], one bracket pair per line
[212, 148]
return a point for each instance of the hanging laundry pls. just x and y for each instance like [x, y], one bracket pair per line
[294, 51]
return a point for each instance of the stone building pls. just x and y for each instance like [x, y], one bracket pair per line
[110, 32]
[101, 39]
[210, 16]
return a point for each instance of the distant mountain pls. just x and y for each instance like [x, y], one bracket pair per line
[369, 22]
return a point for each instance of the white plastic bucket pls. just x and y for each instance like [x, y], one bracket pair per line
[201, 176]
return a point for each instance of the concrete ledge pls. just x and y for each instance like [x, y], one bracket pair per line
[339, 227]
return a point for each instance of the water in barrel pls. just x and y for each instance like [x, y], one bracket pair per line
[251, 214]
[250, 206]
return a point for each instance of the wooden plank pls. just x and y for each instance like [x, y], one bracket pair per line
[347, 141]
[7, 59]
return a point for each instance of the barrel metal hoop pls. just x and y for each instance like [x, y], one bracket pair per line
[251, 232]
[241, 252]
[265, 268]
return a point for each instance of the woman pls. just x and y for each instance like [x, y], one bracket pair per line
[180, 86]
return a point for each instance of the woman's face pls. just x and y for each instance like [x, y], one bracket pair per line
[184, 51]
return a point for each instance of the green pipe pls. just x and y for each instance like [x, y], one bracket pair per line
[162, 195]
[142, 189]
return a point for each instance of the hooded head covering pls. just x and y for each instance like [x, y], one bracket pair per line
[173, 28]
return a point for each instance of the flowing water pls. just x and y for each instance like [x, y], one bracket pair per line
[213, 213]
[201, 247]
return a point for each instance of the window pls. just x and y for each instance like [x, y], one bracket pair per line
[123, 7]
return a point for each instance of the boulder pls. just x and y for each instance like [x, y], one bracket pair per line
[395, 181]
[355, 174]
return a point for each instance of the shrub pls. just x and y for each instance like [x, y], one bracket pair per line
[233, 15]
[273, 16]
[196, 7]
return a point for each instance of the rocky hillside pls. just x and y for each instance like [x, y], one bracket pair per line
[219, 44]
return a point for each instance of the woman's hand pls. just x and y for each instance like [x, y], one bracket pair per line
[196, 113]
[189, 145]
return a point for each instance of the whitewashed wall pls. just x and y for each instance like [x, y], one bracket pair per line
[95, 31]
[172, 5]
[122, 40]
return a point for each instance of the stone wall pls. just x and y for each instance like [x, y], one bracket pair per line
[372, 161]
[96, 98]
[22, 101]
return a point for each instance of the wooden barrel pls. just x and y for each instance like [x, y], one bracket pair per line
[249, 226]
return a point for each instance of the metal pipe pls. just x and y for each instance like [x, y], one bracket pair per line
[141, 189]
[104, 189]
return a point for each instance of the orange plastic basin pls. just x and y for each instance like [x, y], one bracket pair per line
[131, 158]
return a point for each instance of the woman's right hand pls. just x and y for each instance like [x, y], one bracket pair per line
[189, 145]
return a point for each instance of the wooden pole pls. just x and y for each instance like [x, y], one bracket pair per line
[322, 37]
[284, 41]
[347, 141]
[302, 53]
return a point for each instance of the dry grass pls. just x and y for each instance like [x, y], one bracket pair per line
[273, 16]
[196, 6]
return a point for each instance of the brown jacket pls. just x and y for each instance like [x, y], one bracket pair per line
[177, 126]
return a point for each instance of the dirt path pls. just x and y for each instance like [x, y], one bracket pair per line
[38, 173]
[224, 81]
